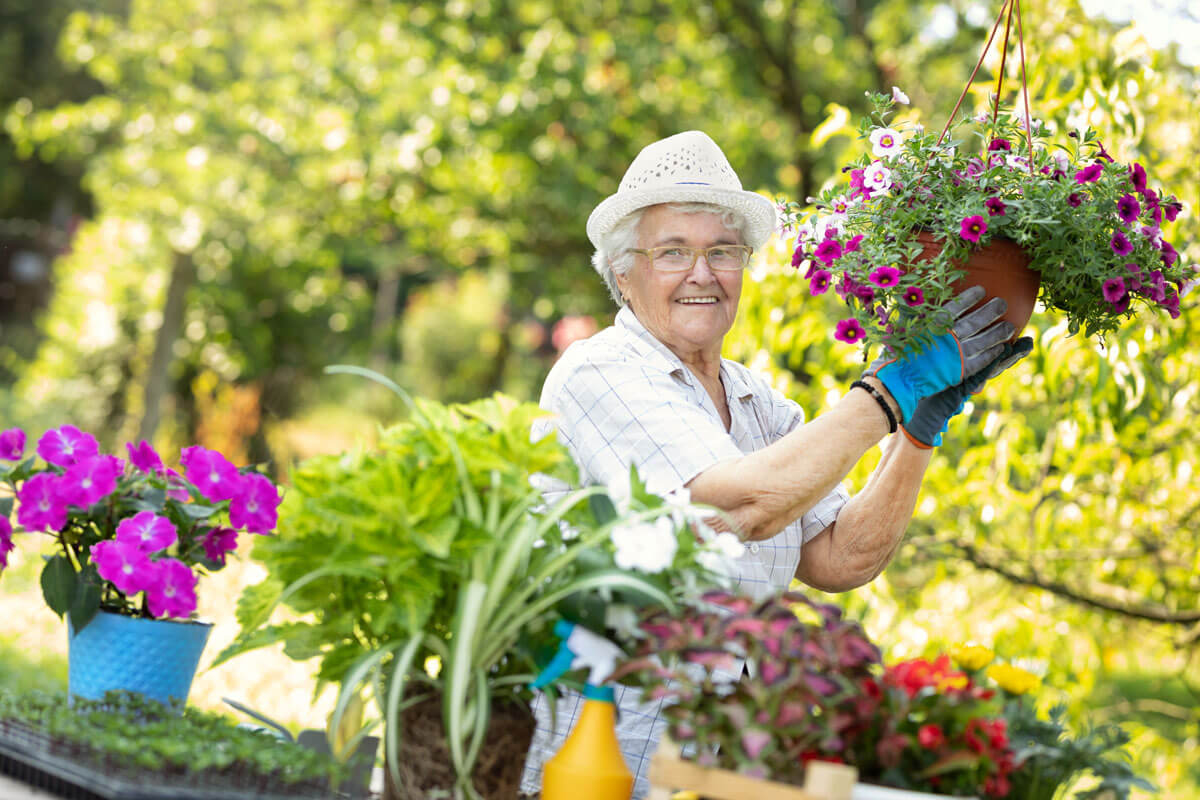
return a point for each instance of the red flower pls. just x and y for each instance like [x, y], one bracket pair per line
[930, 736]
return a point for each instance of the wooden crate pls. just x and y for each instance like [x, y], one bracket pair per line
[669, 773]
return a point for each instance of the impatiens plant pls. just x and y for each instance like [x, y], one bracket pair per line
[816, 688]
[1092, 228]
[133, 537]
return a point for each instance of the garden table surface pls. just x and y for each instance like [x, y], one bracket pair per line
[11, 789]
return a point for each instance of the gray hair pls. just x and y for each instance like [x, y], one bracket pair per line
[612, 257]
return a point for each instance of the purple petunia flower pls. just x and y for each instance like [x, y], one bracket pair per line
[914, 296]
[144, 458]
[974, 168]
[865, 293]
[1120, 244]
[798, 255]
[995, 207]
[828, 251]
[1156, 286]
[1113, 289]
[124, 565]
[148, 531]
[1154, 234]
[849, 331]
[40, 507]
[211, 473]
[218, 542]
[852, 245]
[12, 444]
[972, 228]
[819, 282]
[87, 481]
[1089, 174]
[66, 445]
[1128, 209]
[885, 277]
[1000, 144]
[1169, 255]
[1074, 200]
[1171, 304]
[172, 593]
[1137, 176]
[6, 542]
[255, 506]
[1172, 208]
[1135, 280]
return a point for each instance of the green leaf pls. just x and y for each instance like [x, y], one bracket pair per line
[6, 506]
[87, 598]
[436, 537]
[195, 511]
[602, 508]
[255, 605]
[58, 584]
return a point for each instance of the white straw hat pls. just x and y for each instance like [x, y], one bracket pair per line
[686, 167]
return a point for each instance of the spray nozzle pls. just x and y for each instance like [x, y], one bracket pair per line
[580, 648]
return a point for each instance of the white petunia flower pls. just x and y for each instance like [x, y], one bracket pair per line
[885, 142]
[623, 619]
[899, 96]
[877, 177]
[729, 545]
[646, 547]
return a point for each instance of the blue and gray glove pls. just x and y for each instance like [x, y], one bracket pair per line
[933, 414]
[973, 343]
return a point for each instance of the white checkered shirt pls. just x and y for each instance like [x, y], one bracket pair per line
[622, 397]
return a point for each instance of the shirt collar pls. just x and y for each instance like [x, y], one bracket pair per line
[736, 385]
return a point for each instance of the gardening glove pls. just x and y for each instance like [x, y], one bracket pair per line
[974, 341]
[933, 414]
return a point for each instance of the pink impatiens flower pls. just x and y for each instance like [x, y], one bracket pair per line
[144, 458]
[255, 505]
[86, 481]
[148, 531]
[12, 444]
[172, 592]
[849, 331]
[211, 473]
[39, 506]
[972, 228]
[66, 445]
[124, 565]
[217, 542]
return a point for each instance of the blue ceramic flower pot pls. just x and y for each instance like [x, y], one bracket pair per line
[156, 658]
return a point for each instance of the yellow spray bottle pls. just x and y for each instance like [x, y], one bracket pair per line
[589, 765]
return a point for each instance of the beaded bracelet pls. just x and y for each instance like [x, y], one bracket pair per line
[887, 409]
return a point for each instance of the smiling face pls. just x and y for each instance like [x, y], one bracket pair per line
[690, 312]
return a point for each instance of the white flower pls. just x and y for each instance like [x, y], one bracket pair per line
[839, 207]
[1061, 160]
[825, 225]
[729, 545]
[1016, 162]
[899, 96]
[680, 502]
[877, 177]
[623, 619]
[885, 142]
[805, 231]
[647, 547]
[621, 495]
[719, 554]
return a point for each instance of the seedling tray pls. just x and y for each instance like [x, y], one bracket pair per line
[73, 771]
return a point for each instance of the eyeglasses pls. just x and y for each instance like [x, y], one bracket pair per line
[722, 257]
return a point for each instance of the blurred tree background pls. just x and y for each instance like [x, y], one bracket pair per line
[202, 205]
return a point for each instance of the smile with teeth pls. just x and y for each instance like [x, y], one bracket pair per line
[697, 301]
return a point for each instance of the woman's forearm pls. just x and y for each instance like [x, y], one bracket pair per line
[768, 489]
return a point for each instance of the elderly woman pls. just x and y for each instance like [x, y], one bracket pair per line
[653, 390]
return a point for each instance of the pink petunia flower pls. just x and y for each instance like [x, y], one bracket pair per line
[972, 228]
[66, 445]
[914, 296]
[852, 245]
[12, 444]
[1002, 145]
[798, 255]
[1089, 174]
[87, 481]
[1113, 289]
[1074, 200]
[6, 542]
[885, 277]
[975, 168]
[1128, 209]
[1120, 244]
[173, 590]
[828, 251]
[40, 508]
[218, 542]
[849, 331]
[1137, 176]
[150, 532]
[995, 207]
[819, 282]
[211, 472]
[144, 458]
[255, 506]
[124, 565]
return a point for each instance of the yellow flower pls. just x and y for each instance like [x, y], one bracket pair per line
[973, 657]
[685, 795]
[1013, 679]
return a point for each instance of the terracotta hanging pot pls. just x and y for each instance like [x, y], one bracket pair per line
[1002, 269]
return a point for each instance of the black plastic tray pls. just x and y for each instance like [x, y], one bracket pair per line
[34, 758]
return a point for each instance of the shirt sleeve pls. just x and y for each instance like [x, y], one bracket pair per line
[612, 413]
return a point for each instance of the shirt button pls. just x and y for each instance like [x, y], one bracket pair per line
[753, 548]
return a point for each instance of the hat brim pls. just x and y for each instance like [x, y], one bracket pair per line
[758, 210]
